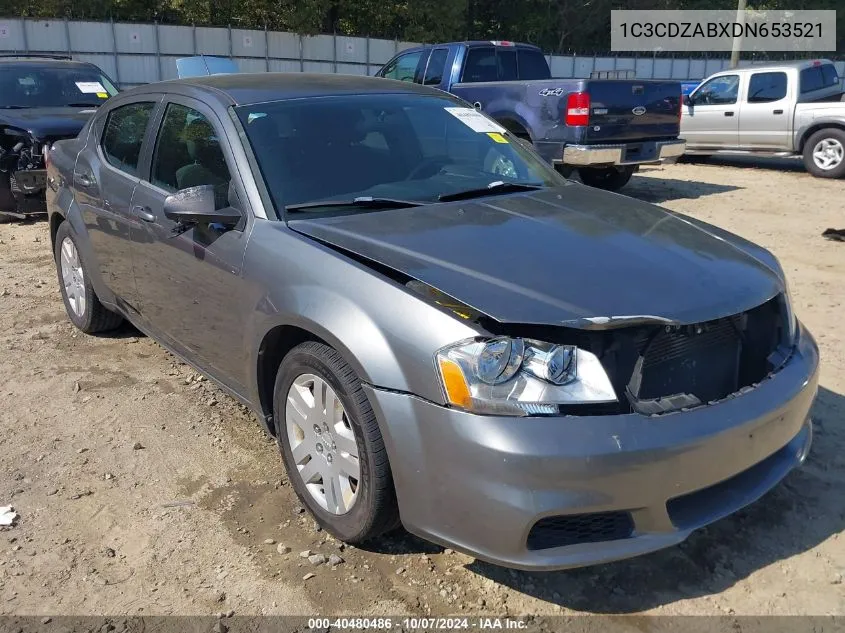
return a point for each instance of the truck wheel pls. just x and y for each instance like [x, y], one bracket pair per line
[824, 153]
[609, 178]
[81, 303]
[331, 444]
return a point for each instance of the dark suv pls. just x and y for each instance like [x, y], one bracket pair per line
[43, 98]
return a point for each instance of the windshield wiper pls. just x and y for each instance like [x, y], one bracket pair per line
[82, 105]
[14, 107]
[363, 202]
[493, 188]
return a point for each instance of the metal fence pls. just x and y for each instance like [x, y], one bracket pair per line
[133, 53]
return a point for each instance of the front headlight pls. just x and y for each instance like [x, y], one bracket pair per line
[514, 376]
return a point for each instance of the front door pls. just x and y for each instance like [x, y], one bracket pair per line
[104, 181]
[189, 277]
[711, 120]
[766, 114]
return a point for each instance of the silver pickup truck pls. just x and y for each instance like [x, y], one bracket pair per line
[795, 108]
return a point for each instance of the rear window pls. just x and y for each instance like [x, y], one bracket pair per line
[533, 65]
[503, 63]
[818, 78]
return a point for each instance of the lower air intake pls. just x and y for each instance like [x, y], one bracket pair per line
[575, 529]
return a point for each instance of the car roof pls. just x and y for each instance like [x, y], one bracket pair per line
[800, 65]
[249, 88]
[472, 44]
[43, 62]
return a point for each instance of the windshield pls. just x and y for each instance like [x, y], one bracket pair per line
[397, 146]
[29, 86]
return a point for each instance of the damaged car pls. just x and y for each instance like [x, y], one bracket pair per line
[439, 330]
[43, 98]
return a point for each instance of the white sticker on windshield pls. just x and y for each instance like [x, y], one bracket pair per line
[475, 120]
[90, 87]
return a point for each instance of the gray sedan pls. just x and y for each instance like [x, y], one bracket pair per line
[439, 330]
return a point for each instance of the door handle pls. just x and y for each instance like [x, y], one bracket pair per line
[84, 180]
[729, 113]
[777, 111]
[144, 213]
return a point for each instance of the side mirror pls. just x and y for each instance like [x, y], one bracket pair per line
[196, 205]
[687, 100]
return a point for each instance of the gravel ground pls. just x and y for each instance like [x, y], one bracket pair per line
[144, 490]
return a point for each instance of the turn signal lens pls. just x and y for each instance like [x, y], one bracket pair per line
[454, 383]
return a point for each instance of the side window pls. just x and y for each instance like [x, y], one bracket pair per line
[818, 77]
[766, 87]
[480, 65]
[403, 67]
[718, 91]
[436, 64]
[188, 154]
[124, 135]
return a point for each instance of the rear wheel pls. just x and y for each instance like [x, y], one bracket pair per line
[824, 153]
[610, 178]
[331, 444]
[81, 303]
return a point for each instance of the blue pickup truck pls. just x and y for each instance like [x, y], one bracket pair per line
[604, 128]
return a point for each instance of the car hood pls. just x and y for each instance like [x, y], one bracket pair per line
[572, 255]
[47, 122]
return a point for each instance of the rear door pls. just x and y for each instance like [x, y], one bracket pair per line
[711, 121]
[766, 112]
[189, 278]
[104, 181]
[631, 110]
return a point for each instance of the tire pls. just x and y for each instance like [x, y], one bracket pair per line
[824, 153]
[609, 178]
[372, 510]
[89, 315]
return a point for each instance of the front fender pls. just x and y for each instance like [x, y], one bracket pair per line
[386, 333]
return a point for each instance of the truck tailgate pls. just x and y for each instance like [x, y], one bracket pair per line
[633, 110]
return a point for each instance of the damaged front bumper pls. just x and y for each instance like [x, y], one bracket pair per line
[24, 197]
[544, 493]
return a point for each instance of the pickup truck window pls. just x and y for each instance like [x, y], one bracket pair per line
[721, 90]
[124, 134]
[532, 65]
[766, 87]
[818, 78]
[403, 67]
[480, 65]
[436, 64]
[499, 63]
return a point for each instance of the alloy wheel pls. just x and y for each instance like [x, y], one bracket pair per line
[73, 277]
[828, 154]
[323, 444]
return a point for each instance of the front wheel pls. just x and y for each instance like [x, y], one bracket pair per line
[610, 178]
[331, 444]
[81, 302]
[824, 153]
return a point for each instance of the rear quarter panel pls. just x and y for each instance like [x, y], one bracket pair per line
[62, 206]
[810, 117]
[536, 106]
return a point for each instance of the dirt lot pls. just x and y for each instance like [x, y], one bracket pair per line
[143, 490]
